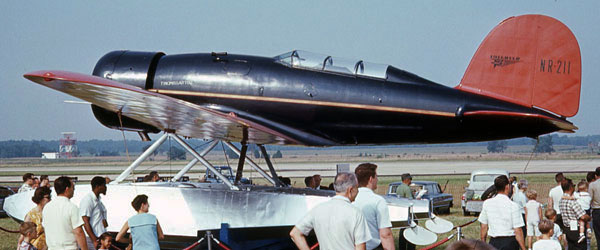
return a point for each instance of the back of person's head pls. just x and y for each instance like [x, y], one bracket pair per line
[597, 172]
[39, 194]
[559, 178]
[406, 176]
[27, 227]
[44, 177]
[591, 176]
[98, 181]
[545, 226]
[147, 178]
[27, 176]
[500, 183]
[61, 184]
[466, 244]
[566, 184]
[531, 194]
[364, 172]
[550, 213]
[153, 174]
[582, 186]
[285, 180]
[138, 201]
[308, 181]
[343, 181]
[522, 184]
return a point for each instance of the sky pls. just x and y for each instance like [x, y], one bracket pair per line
[433, 39]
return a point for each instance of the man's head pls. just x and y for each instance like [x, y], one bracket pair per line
[366, 173]
[346, 184]
[309, 181]
[28, 178]
[44, 181]
[567, 186]
[590, 177]
[546, 227]
[559, 178]
[317, 180]
[406, 178]
[64, 186]
[502, 184]
[154, 176]
[597, 172]
[98, 185]
[523, 184]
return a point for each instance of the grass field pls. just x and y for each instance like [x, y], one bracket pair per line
[456, 183]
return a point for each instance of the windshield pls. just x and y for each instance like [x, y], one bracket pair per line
[485, 177]
[320, 62]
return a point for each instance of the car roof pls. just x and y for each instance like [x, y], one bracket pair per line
[416, 182]
[490, 171]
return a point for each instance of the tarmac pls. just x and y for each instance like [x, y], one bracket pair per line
[386, 168]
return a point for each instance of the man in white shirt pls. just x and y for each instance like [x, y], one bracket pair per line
[554, 196]
[93, 212]
[501, 219]
[27, 183]
[61, 220]
[374, 208]
[337, 223]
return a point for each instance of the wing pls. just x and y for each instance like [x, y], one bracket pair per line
[167, 113]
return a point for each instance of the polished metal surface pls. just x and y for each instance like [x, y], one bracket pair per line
[183, 208]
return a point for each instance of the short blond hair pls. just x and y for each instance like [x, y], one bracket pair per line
[531, 194]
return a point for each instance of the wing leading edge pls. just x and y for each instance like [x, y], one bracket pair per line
[167, 113]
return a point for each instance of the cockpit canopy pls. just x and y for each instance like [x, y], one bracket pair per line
[320, 62]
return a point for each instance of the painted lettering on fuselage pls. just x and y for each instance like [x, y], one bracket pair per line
[502, 61]
[555, 66]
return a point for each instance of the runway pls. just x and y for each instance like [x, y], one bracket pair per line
[386, 168]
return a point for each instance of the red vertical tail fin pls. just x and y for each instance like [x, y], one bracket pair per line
[531, 60]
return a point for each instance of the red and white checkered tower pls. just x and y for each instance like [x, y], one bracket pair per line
[68, 146]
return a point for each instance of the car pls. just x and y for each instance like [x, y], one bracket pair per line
[4, 192]
[479, 181]
[226, 172]
[440, 202]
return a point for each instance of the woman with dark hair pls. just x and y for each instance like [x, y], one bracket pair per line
[41, 197]
[145, 229]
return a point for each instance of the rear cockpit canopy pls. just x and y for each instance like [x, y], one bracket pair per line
[319, 62]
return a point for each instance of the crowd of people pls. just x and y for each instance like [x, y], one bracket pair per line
[57, 223]
[514, 218]
[355, 218]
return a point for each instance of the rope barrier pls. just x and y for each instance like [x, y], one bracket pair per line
[466, 224]
[195, 244]
[115, 247]
[314, 246]
[438, 243]
[9, 231]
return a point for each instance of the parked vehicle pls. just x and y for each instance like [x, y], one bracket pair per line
[225, 171]
[441, 202]
[480, 181]
[4, 192]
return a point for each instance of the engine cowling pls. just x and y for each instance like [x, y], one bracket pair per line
[128, 67]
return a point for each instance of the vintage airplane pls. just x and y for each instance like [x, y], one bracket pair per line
[523, 81]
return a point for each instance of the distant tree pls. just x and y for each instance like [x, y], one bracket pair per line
[108, 153]
[545, 145]
[278, 154]
[92, 151]
[497, 146]
[256, 153]
[176, 153]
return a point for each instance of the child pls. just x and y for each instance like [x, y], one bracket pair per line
[533, 215]
[545, 242]
[551, 215]
[584, 199]
[29, 232]
[105, 241]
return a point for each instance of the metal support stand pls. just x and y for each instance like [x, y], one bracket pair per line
[240, 167]
[268, 160]
[194, 161]
[252, 164]
[141, 159]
